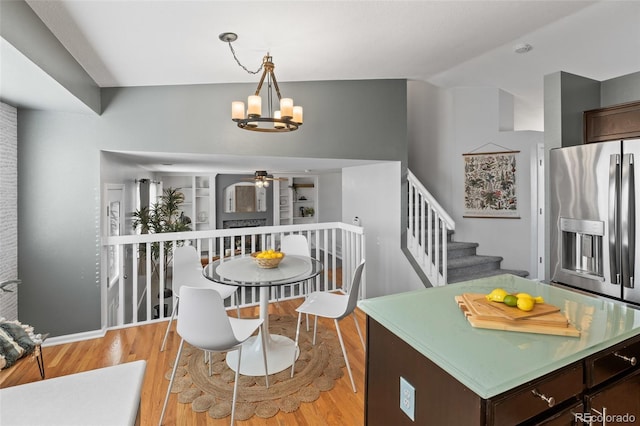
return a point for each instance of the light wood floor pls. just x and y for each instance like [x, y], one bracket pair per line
[339, 406]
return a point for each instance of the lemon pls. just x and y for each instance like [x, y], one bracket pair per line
[521, 295]
[510, 300]
[538, 299]
[497, 295]
[525, 303]
[279, 255]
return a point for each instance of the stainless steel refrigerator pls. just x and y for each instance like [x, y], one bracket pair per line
[593, 191]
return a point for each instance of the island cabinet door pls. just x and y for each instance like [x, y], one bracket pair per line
[539, 399]
[439, 398]
[617, 403]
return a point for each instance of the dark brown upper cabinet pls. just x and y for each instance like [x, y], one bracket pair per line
[612, 123]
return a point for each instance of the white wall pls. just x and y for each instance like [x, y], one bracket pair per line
[9, 209]
[330, 197]
[428, 124]
[373, 193]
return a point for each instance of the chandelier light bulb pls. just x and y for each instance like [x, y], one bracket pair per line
[255, 105]
[266, 184]
[297, 114]
[259, 184]
[277, 124]
[237, 110]
[286, 107]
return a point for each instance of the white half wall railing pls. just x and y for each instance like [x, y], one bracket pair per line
[428, 225]
[134, 284]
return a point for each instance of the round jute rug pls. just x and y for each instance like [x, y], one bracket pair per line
[316, 370]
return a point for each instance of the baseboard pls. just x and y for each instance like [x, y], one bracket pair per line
[71, 338]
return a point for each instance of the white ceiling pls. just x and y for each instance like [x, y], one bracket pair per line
[447, 43]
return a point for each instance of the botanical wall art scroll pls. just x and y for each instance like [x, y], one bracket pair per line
[490, 189]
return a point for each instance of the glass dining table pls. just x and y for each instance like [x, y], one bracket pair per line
[244, 272]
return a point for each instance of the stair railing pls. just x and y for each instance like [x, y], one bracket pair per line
[427, 232]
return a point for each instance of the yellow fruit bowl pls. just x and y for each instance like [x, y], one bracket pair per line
[268, 259]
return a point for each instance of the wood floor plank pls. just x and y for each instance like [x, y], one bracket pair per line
[339, 406]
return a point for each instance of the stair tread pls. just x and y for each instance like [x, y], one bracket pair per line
[465, 261]
[454, 245]
[487, 274]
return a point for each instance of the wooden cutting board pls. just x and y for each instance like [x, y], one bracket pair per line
[523, 326]
[479, 301]
[488, 313]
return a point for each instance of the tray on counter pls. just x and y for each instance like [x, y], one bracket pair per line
[481, 314]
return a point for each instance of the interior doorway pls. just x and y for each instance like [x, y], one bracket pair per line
[113, 225]
[539, 218]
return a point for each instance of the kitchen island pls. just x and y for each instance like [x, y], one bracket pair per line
[471, 376]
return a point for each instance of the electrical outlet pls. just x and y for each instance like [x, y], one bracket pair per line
[407, 398]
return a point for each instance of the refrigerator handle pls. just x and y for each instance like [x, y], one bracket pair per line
[627, 220]
[614, 242]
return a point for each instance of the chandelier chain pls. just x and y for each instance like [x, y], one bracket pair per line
[233, 52]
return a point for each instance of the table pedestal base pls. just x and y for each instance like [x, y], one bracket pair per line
[280, 352]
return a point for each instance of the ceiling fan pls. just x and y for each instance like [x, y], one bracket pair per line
[261, 178]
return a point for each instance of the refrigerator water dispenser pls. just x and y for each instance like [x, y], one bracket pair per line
[582, 247]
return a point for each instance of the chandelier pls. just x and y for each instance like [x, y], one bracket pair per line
[287, 119]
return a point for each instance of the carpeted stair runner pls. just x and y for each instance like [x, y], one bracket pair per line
[463, 262]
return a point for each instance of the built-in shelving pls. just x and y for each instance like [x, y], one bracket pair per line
[298, 200]
[199, 198]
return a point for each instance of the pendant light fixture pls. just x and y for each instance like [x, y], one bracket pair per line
[287, 119]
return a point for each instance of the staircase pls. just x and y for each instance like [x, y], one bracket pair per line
[437, 258]
[464, 264]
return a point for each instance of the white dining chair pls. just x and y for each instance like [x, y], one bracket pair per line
[336, 307]
[187, 270]
[203, 323]
[297, 244]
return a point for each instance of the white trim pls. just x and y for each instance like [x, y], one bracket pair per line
[94, 334]
[72, 338]
[540, 214]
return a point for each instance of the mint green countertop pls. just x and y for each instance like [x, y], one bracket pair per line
[490, 362]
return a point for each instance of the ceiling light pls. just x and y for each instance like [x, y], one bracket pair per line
[522, 48]
[261, 178]
[287, 119]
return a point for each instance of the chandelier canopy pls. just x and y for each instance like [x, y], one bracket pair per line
[287, 119]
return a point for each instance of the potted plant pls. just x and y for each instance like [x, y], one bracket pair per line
[309, 211]
[163, 216]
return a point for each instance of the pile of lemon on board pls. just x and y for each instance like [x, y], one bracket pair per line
[523, 301]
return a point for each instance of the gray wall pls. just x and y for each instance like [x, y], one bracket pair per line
[567, 96]
[59, 169]
[620, 90]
